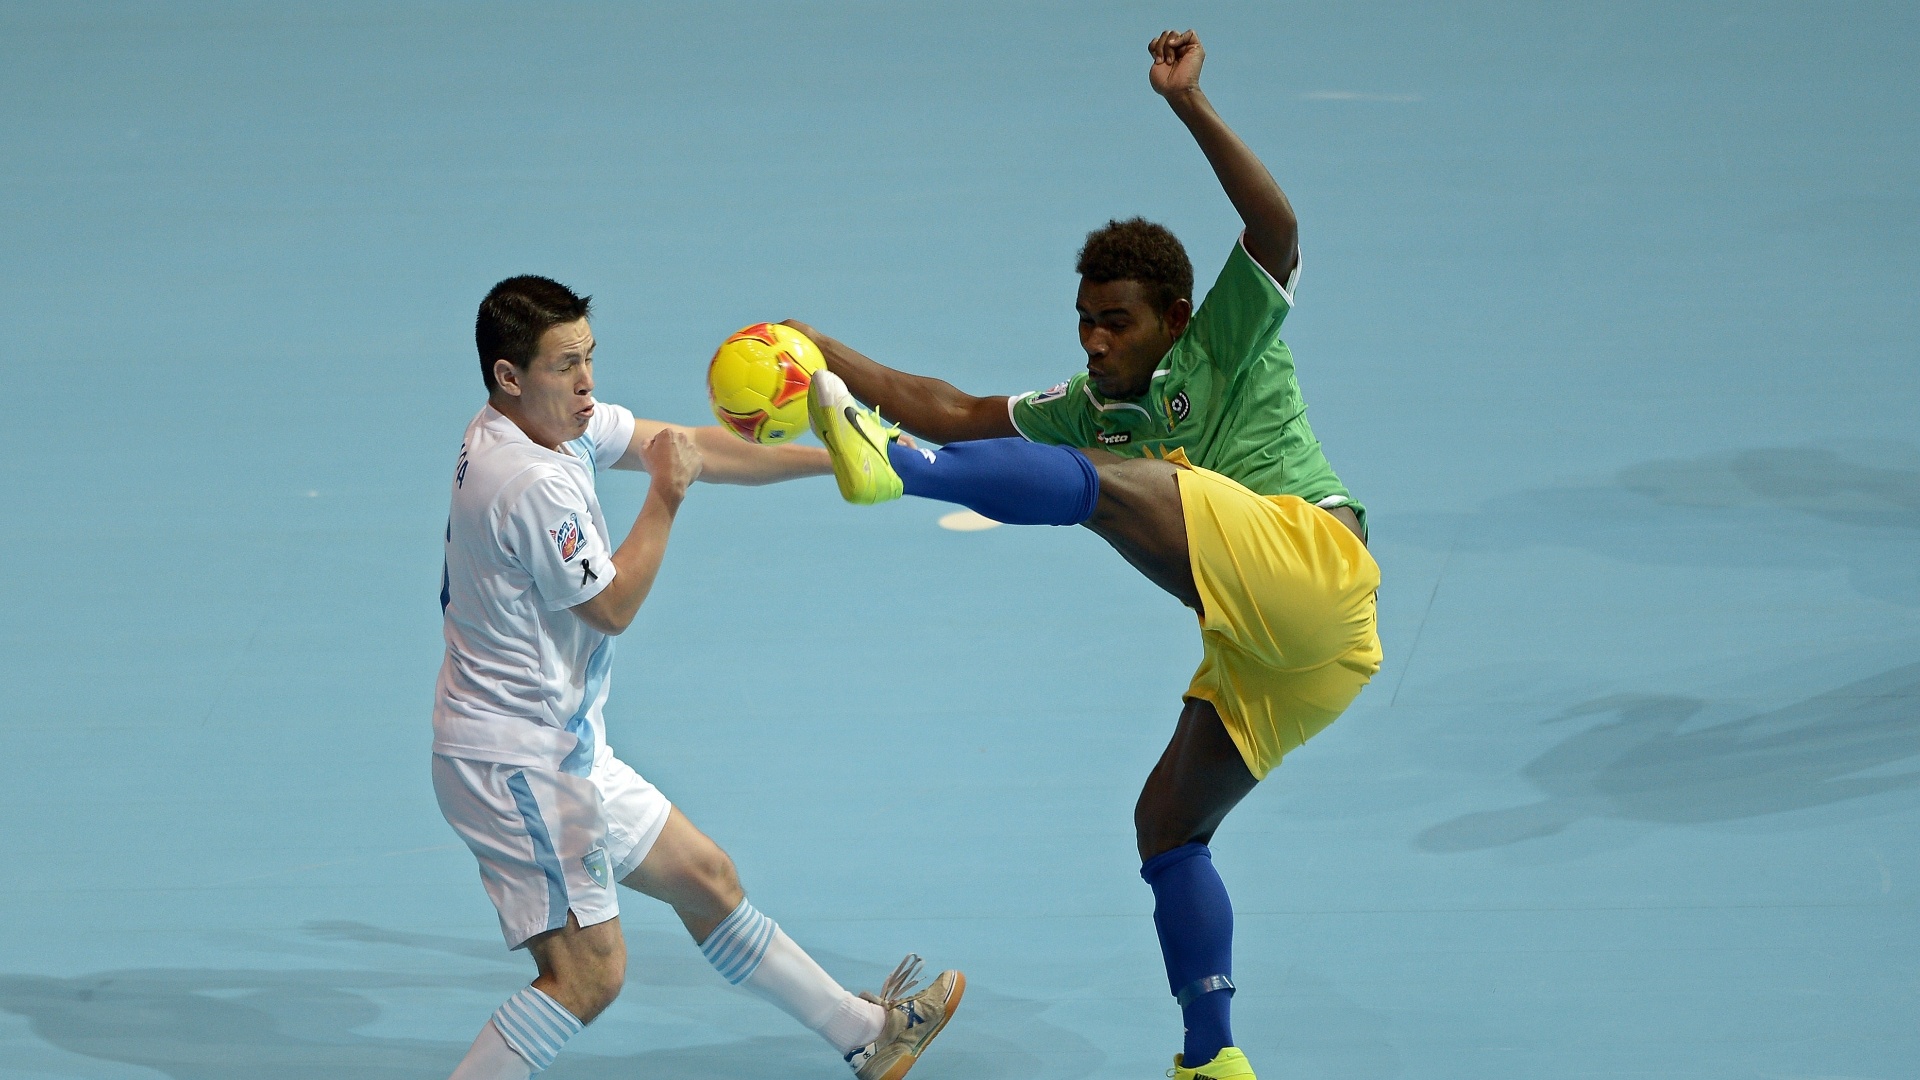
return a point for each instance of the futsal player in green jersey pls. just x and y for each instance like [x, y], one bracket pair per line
[1185, 445]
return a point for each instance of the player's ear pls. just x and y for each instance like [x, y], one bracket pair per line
[1177, 316]
[506, 376]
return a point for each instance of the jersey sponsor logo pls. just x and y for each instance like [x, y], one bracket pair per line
[1114, 438]
[567, 538]
[1180, 406]
[1052, 393]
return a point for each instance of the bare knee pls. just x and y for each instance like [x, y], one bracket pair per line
[1132, 486]
[691, 872]
[715, 877]
[1156, 825]
[583, 970]
[1199, 779]
[597, 987]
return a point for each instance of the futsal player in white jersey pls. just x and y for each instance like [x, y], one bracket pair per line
[533, 595]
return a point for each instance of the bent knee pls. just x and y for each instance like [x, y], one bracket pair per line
[587, 989]
[720, 877]
[607, 984]
[1133, 483]
[1157, 826]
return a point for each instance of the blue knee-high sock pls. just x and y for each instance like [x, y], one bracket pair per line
[1009, 480]
[1195, 920]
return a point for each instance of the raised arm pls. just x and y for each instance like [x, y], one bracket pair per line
[925, 407]
[725, 458]
[1273, 234]
[673, 462]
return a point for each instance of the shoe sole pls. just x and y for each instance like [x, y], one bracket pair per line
[953, 1005]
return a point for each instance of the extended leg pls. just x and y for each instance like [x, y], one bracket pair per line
[880, 1037]
[1133, 504]
[689, 871]
[1200, 777]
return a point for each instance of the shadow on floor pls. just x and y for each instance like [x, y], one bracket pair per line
[1853, 506]
[214, 1024]
[1642, 764]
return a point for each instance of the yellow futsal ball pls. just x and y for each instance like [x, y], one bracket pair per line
[758, 382]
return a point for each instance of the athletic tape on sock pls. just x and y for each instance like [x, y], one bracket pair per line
[737, 945]
[535, 1026]
[1206, 984]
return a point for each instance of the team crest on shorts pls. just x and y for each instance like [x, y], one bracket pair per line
[595, 862]
[567, 537]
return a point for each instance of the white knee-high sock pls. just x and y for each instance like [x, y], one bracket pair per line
[750, 951]
[492, 1059]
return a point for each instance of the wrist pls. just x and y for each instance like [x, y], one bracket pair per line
[668, 496]
[1189, 100]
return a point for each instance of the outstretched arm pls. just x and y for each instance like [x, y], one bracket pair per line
[725, 458]
[1273, 234]
[925, 407]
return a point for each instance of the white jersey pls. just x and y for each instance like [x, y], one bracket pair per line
[524, 679]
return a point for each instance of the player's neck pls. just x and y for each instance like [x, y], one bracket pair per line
[509, 407]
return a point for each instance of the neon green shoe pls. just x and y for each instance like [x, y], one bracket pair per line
[857, 440]
[1228, 1064]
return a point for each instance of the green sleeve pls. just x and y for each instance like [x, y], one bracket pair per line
[1057, 415]
[1242, 312]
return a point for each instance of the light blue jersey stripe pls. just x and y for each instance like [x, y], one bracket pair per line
[579, 762]
[582, 448]
[542, 850]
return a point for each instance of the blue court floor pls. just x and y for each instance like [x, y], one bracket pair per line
[1608, 312]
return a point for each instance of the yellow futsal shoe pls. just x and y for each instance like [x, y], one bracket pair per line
[856, 439]
[912, 1019]
[1228, 1064]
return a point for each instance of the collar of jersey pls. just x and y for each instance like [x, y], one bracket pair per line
[1142, 411]
[513, 432]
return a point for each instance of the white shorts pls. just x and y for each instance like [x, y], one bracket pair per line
[548, 842]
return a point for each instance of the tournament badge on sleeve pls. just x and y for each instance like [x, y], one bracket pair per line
[567, 537]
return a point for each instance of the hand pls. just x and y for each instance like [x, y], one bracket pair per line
[1177, 56]
[672, 461]
[796, 324]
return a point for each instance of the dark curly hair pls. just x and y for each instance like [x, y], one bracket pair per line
[1138, 250]
[516, 313]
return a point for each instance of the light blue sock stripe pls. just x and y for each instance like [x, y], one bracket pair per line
[737, 945]
[536, 1036]
[535, 1026]
[733, 952]
[723, 945]
[744, 958]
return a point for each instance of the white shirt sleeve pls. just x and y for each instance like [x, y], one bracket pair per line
[549, 532]
[608, 433]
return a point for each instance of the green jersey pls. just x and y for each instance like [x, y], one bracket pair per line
[1225, 394]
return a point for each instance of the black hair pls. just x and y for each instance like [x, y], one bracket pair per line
[514, 315]
[1138, 250]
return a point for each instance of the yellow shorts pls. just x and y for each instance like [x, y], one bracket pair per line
[1288, 632]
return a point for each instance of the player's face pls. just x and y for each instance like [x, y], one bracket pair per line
[1124, 335]
[554, 395]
